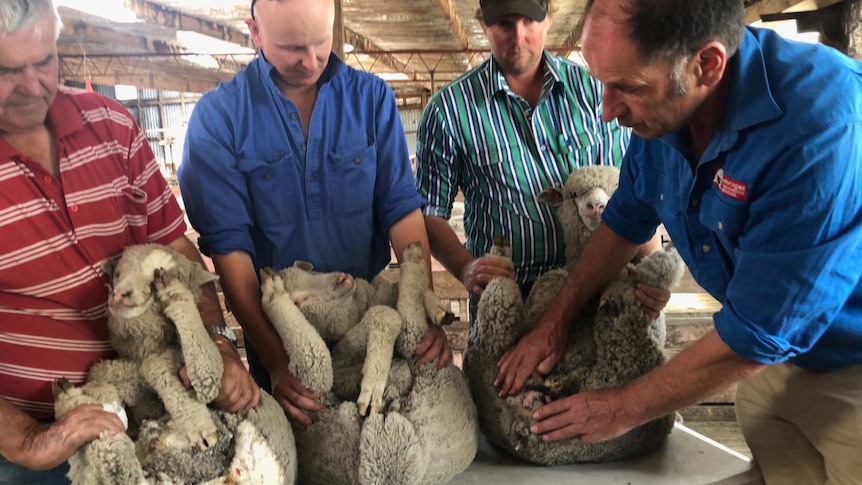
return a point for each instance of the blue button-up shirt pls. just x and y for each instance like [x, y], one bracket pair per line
[251, 180]
[770, 223]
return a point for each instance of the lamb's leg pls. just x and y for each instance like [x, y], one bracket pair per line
[412, 285]
[115, 381]
[310, 361]
[384, 325]
[200, 355]
[191, 422]
[109, 459]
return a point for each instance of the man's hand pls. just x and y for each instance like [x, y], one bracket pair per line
[477, 274]
[653, 300]
[237, 390]
[433, 346]
[589, 417]
[537, 351]
[293, 397]
[46, 445]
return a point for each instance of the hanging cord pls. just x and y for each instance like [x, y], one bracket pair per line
[88, 80]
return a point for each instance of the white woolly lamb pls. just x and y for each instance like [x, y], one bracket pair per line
[610, 343]
[354, 340]
[173, 436]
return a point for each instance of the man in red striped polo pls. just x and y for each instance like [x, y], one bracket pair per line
[78, 183]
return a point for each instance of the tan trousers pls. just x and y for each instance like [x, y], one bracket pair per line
[803, 427]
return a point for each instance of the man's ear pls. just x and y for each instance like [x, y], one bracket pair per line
[710, 63]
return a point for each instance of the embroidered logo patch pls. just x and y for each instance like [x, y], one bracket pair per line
[730, 187]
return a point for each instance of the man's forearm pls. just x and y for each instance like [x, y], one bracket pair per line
[14, 424]
[242, 291]
[701, 369]
[446, 247]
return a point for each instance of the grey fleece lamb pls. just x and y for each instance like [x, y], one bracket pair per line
[610, 343]
[173, 436]
[386, 421]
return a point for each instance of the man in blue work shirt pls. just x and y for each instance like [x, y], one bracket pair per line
[299, 157]
[747, 147]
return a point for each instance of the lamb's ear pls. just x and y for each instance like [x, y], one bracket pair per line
[200, 276]
[303, 265]
[552, 197]
[107, 265]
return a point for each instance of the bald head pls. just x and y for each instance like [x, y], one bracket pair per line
[295, 36]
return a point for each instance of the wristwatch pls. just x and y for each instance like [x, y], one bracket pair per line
[224, 331]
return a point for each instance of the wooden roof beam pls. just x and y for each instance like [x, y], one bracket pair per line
[176, 20]
[362, 44]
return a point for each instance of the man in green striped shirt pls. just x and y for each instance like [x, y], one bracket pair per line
[502, 133]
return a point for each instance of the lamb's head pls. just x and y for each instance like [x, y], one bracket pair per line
[310, 289]
[131, 278]
[581, 203]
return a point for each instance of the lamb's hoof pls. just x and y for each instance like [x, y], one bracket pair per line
[62, 386]
[444, 318]
[162, 278]
[272, 285]
[413, 253]
[370, 399]
[180, 437]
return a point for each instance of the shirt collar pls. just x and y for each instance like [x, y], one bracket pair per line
[750, 98]
[496, 83]
[64, 116]
[749, 102]
[334, 66]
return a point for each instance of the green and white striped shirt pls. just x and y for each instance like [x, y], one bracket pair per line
[477, 135]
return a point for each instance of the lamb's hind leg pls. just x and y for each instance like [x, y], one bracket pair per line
[108, 460]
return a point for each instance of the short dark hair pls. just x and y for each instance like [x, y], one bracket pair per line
[252, 8]
[669, 30]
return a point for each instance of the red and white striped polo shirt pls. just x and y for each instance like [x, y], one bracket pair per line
[55, 235]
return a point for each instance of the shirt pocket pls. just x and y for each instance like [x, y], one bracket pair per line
[275, 190]
[724, 217]
[507, 189]
[353, 172]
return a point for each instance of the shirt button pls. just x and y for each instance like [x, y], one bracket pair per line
[705, 248]
[357, 161]
[661, 197]
[304, 147]
[73, 208]
[311, 178]
[48, 179]
[720, 225]
[267, 176]
[293, 116]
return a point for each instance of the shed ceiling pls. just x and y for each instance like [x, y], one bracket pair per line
[430, 42]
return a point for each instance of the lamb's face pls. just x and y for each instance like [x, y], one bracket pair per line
[590, 206]
[309, 289]
[132, 281]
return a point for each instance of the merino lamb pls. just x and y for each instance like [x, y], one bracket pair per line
[610, 343]
[173, 436]
[353, 340]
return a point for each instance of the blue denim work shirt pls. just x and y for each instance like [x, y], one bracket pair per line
[251, 180]
[770, 223]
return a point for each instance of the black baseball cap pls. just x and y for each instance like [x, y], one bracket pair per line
[494, 10]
